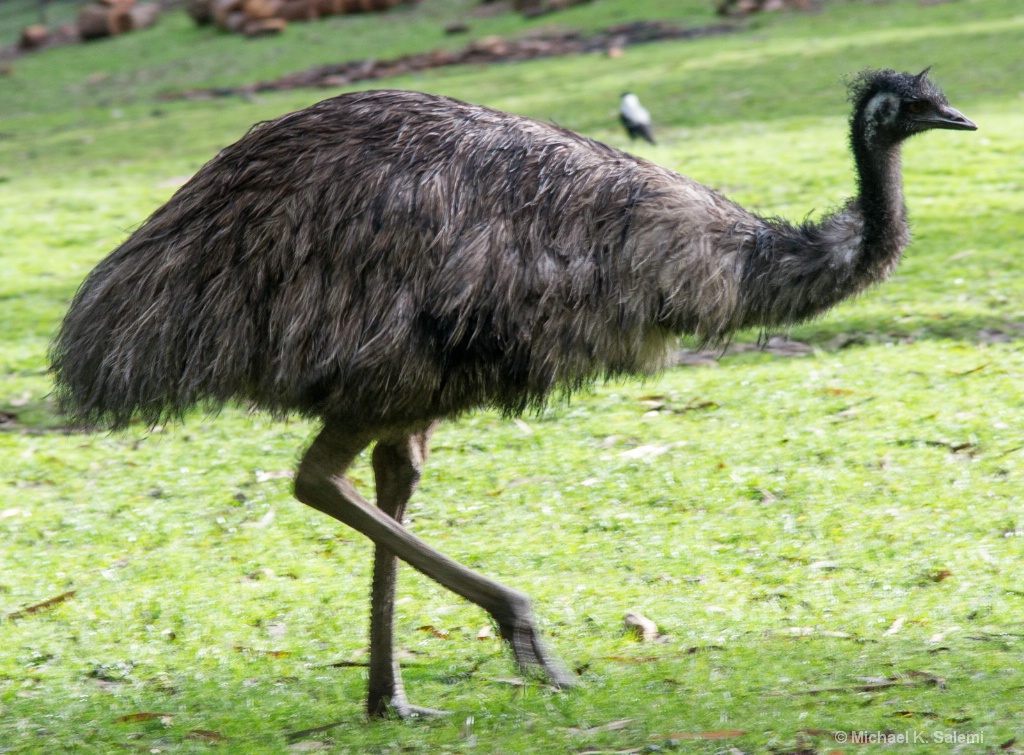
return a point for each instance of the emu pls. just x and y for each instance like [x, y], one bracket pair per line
[383, 260]
[635, 118]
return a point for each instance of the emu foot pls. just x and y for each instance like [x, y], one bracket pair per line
[386, 698]
[398, 707]
[530, 652]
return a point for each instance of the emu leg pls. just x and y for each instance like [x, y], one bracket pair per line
[320, 483]
[397, 466]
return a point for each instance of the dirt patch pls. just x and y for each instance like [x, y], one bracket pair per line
[484, 51]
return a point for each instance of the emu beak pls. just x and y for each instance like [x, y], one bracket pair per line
[948, 118]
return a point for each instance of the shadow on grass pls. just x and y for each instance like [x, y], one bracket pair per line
[39, 418]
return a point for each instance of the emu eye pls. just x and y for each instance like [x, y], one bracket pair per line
[917, 106]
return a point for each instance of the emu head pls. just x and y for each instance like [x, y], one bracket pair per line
[890, 106]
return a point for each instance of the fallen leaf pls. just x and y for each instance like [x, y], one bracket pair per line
[523, 427]
[995, 637]
[896, 625]
[808, 631]
[271, 653]
[916, 714]
[440, 633]
[622, 723]
[800, 631]
[486, 632]
[644, 452]
[703, 649]
[205, 735]
[640, 627]
[871, 684]
[955, 448]
[132, 718]
[41, 606]
[694, 406]
[971, 371]
[940, 636]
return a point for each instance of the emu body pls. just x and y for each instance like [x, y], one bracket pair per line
[384, 260]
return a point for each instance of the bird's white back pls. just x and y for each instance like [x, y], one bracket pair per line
[632, 110]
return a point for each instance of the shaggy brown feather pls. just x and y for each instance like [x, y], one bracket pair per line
[391, 257]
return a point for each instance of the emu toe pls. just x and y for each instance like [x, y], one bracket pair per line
[533, 656]
[401, 708]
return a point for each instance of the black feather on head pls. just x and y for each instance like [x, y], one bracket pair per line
[864, 85]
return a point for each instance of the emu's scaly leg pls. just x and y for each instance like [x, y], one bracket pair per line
[320, 483]
[397, 465]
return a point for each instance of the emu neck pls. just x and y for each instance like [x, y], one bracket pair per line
[880, 179]
[793, 273]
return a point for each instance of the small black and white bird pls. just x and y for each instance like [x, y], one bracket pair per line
[635, 118]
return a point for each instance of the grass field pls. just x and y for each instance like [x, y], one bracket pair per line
[829, 543]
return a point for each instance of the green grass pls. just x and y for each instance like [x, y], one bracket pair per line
[794, 526]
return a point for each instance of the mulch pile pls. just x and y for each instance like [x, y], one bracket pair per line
[747, 7]
[255, 18]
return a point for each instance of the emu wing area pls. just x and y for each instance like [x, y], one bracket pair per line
[386, 257]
